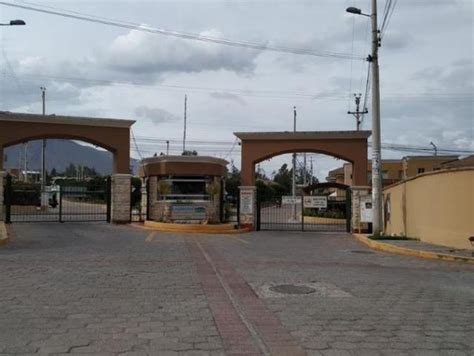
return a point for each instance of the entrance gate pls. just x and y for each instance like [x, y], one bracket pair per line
[324, 213]
[65, 203]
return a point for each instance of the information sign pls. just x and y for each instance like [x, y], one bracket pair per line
[316, 201]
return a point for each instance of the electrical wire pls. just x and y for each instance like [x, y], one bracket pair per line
[467, 96]
[366, 95]
[182, 35]
[387, 17]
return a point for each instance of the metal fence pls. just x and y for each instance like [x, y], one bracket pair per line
[295, 216]
[138, 210]
[28, 203]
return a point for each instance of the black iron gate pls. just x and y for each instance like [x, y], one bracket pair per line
[26, 202]
[139, 210]
[306, 213]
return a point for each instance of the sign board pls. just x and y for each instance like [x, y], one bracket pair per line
[290, 200]
[188, 212]
[246, 202]
[366, 209]
[316, 201]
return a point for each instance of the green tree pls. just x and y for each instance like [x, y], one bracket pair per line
[70, 170]
[284, 178]
[232, 181]
[189, 153]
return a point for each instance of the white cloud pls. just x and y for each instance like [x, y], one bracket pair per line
[155, 115]
[144, 53]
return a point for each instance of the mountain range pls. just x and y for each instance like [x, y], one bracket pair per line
[60, 154]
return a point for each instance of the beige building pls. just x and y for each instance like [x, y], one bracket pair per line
[395, 170]
[413, 165]
[336, 176]
[392, 172]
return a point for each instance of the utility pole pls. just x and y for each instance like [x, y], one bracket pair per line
[293, 185]
[377, 222]
[43, 154]
[373, 58]
[167, 147]
[185, 114]
[358, 114]
[311, 169]
[435, 148]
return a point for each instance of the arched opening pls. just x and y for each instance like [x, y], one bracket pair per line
[314, 198]
[79, 155]
[351, 146]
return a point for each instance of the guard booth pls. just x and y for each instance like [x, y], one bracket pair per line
[184, 189]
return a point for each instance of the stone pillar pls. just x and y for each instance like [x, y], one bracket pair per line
[2, 210]
[358, 195]
[144, 198]
[248, 206]
[121, 185]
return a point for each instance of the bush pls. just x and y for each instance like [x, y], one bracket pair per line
[331, 214]
[26, 194]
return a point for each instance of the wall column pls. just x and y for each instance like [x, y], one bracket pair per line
[2, 210]
[144, 198]
[358, 195]
[248, 206]
[121, 185]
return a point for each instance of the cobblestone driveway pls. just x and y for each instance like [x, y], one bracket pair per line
[104, 289]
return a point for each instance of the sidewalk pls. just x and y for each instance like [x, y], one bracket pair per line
[418, 248]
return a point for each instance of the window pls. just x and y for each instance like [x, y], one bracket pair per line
[384, 174]
[185, 188]
[421, 170]
[400, 174]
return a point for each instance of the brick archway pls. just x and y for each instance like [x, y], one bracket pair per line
[350, 146]
[110, 134]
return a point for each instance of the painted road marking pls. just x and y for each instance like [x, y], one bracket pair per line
[150, 237]
[237, 239]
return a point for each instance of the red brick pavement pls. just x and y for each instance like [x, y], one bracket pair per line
[271, 337]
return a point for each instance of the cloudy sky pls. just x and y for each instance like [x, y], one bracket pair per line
[95, 70]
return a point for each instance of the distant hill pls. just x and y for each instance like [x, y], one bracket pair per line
[60, 153]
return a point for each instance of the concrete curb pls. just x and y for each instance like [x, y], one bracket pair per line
[4, 238]
[381, 246]
[191, 228]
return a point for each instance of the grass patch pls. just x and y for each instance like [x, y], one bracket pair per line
[393, 238]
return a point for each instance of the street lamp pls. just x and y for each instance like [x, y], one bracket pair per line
[14, 23]
[377, 223]
[355, 11]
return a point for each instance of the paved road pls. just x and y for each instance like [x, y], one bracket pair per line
[104, 289]
[71, 211]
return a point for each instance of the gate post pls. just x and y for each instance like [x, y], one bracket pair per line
[358, 194]
[121, 185]
[248, 206]
[8, 197]
[2, 175]
[61, 190]
[108, 197]
[348, 209]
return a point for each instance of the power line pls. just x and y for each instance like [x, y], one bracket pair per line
[366, 95]
[265, 93]
[387, 16]
[219, 146]
[182, 35]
